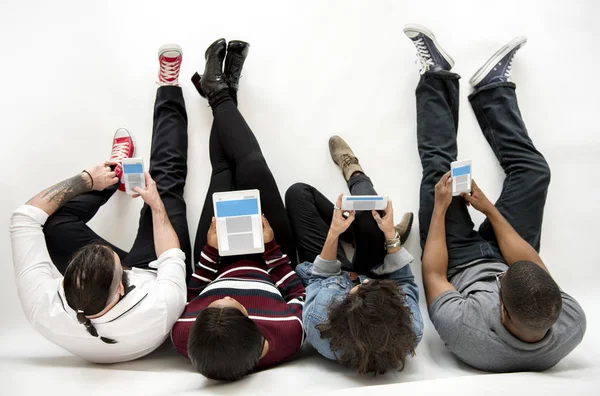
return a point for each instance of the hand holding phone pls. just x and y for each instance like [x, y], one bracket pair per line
[149, 193]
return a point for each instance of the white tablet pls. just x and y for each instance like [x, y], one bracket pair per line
[239, 222]
[364, 202]
[133, 174]
[461, 177]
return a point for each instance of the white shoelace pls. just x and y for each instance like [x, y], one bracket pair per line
[169, 72]
[508, 71]
[423, 55]
[119, 151]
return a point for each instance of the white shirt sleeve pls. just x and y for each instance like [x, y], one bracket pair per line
[171, 283]
[34, 271]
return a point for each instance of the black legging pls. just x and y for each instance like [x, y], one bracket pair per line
[311, 213]
[238, 164]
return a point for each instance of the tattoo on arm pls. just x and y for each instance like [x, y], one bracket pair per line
[61, 193]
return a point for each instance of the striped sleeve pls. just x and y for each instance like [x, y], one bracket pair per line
[284, 276]
[205, 271]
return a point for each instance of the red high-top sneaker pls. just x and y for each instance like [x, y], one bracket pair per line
[122, 147]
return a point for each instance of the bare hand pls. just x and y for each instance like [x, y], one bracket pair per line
[339, 224]
[443, 192]
[386, 223]
[268, 234]
[102, 176]
[477, 199]
[150, 193]
[211, 237]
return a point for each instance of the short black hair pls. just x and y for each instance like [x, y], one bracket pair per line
[224, 344]
[371, 329]
[530, 295]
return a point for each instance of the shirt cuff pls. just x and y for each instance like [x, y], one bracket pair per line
[270, 245]
[33, 212]
[171, 253]
[393, 262]
[326, 268]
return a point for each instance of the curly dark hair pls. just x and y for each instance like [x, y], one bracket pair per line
[371, 329]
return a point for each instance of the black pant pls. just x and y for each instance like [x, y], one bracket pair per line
[66, 230]
[527, 173]
[311, 213]
[238, 164]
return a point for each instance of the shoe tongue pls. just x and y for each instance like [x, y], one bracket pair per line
[122, 140]
[170, 56]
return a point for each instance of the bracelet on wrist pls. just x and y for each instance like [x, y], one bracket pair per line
[393, 242]
[91, 178]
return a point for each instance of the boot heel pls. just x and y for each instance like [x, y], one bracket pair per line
[196, 78]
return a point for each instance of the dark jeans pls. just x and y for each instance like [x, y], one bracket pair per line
[527, 173]
[238, 164]
[311, 214]
[66, 230]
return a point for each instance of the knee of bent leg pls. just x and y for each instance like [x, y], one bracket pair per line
[543, 172]
[53, 224]
[253, 163]
[295, 193]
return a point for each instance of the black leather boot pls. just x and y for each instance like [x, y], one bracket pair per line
[213, 80]
[237, 51]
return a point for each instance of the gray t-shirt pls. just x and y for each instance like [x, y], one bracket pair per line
[469, 322]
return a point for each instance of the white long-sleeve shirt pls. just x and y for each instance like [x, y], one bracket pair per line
[140, 322]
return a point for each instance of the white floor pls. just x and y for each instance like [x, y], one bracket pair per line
[73, 72]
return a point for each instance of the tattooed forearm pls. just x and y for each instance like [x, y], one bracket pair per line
[62, 192]
[59, 194]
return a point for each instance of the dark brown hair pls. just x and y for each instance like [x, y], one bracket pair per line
[224, 344]
[530, 296]
[371, 329]
[88, 283]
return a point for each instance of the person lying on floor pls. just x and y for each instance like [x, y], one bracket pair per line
[112, 305]
[244, 312]
[363, 313]
[490, 295]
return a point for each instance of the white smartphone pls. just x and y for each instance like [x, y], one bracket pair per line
[133, 174]
[461, 177]
[364, 202]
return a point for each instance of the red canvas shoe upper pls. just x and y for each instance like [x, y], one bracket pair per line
[169, 58]
[122, 147]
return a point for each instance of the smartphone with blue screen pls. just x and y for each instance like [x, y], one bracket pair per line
[461, 177]
[133, 174]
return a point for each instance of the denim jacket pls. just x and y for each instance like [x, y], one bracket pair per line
[325, 282]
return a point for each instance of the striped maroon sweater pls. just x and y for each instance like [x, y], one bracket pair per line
[270, 291]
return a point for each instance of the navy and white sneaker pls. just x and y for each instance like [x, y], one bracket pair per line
[429, 52]
[498, 67]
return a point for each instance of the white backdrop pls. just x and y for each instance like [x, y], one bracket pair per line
[73, 72]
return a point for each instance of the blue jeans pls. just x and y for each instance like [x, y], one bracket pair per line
[527, 173]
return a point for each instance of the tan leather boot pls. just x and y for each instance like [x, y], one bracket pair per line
[403, 228]
[343, 156]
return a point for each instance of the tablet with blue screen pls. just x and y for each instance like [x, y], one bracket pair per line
[239, 222]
